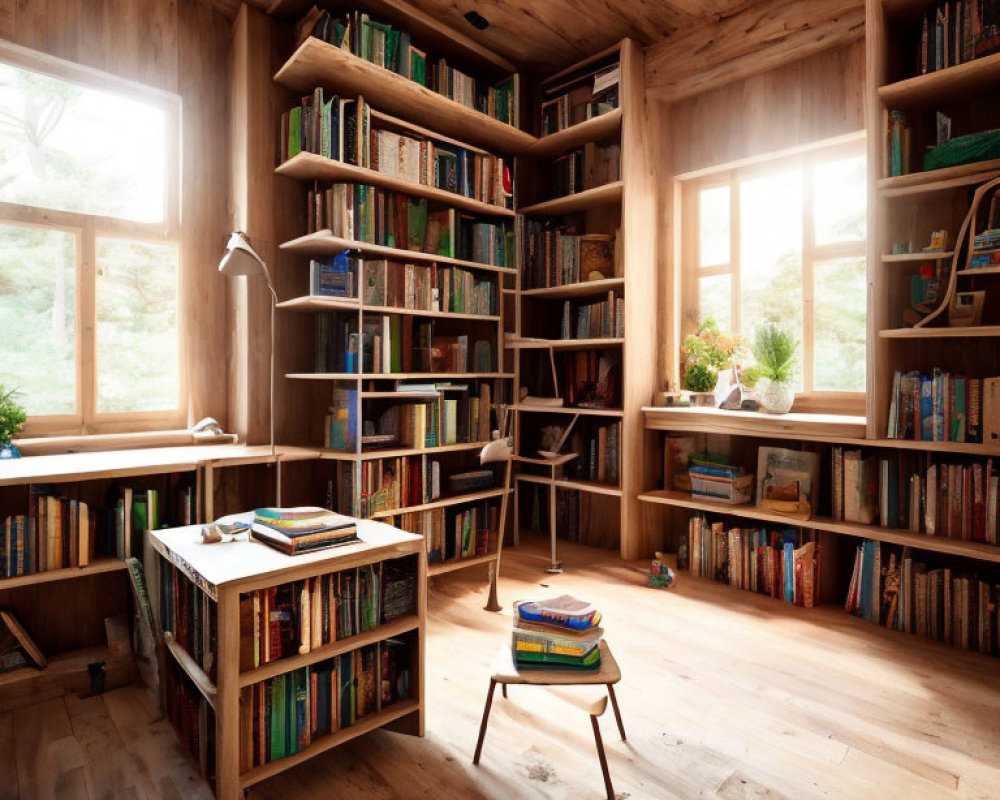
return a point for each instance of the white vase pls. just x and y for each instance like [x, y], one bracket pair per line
[777, 397]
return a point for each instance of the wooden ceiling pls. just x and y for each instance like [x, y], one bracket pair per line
[550, 34]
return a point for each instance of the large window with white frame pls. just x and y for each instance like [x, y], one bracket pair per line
[90, 332]
[784, 239]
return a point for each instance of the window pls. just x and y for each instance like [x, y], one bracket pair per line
[784, 239]
[89, 254]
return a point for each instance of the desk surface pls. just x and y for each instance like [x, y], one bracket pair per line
[505, 671]
[248, 563]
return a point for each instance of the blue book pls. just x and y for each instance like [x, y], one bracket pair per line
[789, 571]
[926, 409]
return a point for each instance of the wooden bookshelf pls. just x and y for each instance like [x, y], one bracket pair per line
[311, 167]
[896, 258]
[323, 242]
[564, 344]
[392, 376]
[971, 332]
[938, 180]
[937, 544]
[223, 573]
[591, 412]
[97, 567]
[595, 129]
[568, 290]
[453, 564]
[963, 81]
[593, 487]
[608, 194]
[977, 271]
[814, 427]
[313, 303]
[316, 63]
[444, 502]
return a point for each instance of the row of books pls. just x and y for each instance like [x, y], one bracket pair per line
[454, 533]
[782, 564]
[363, 213]
[589, 95]
[585, 168]
[554, 255]
[191, 716]
[342, 130]
[427, 287]
[568, 512]
[956, 31]
[599, 319]
[391, 48]
[295, 618]
[61, 532]
[590, 378]
[190, 615]
[891, 588]
[940, 407]
[389, 483]
[561, 633]
[599, 454]
[917, 492]
[334, 276]
[456, 416]
[283, 715]
[302, 529]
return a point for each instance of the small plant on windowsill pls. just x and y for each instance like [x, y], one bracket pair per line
[12, 418]
[776, 352]
[705, 356]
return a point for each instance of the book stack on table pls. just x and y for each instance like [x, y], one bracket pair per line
[562, 634]
[302, 529]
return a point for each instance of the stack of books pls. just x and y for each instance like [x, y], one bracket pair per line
[303, 529]
[562, 633]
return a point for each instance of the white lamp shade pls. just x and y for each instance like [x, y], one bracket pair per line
[241, 258]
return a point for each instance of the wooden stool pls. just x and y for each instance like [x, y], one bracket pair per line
[505, 672]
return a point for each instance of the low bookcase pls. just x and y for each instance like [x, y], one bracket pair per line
[270, 659]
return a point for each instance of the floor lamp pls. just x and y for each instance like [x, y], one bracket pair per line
[242, 259]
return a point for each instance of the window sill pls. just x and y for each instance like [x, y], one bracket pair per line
[58, 445]
[796, 425]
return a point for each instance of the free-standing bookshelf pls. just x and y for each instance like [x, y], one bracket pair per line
[404, 363]
[273, 659]
[585, 290]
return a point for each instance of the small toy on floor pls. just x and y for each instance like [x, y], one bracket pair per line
[660, 575]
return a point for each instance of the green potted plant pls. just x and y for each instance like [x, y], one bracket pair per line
[12, 417]
[776, 352]
[705, 355]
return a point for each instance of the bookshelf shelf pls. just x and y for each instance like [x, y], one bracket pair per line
[400, 452]
[894, 258]
[959, 82]
[937, 180]
[364, 725]
[317, 63]
[444, 502]
[98, 567]
[814, 427]
[564, 344]
[606, 195]
[972, 273]
[968, 448]
[970, 332]
[385, 631]
[323, 242]
[937, 544]
[595, 129]
[567, 483]
[586, 412]
[338, 304]
[197, 675]
[310, 167]
[392, 376]
[441, 567]
[569, 290]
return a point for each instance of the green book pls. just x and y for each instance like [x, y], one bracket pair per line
[418, 66]
[417, 218]
[278, 714]
[295, 131]
[395, 343]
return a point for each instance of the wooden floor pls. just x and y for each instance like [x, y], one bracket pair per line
[725, 695]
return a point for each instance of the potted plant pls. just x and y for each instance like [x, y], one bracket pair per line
[12, 417]
[705, 355]
[776, 352]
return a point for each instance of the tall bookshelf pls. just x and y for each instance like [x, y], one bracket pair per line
[351, 404]
[947, 552]
[601, 373]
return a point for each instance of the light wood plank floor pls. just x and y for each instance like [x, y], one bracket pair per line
[725, 695]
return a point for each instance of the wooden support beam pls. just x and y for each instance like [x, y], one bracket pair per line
[749, 41]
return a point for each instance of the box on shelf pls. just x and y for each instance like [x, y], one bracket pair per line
[733, 491]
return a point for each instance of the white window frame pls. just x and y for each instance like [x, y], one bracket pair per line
[692, 184]
[88, 228]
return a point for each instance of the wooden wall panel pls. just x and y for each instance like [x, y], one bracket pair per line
[178, 46]
[806, 101]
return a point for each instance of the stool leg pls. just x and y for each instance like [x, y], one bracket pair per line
[486, 718]
[600, 755]
[503, 688]
[618, 714]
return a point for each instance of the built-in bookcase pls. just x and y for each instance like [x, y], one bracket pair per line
[585, 289]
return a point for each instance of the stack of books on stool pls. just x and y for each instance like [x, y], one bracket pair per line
[303, 529]
[562, 633]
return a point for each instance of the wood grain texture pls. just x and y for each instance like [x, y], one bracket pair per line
[757, 38]
[750, 698]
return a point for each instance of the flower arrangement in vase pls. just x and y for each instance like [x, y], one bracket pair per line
[706, 355]
[12, 417]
